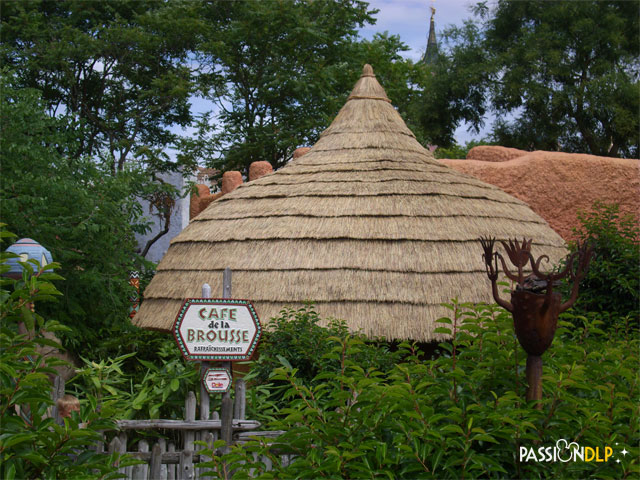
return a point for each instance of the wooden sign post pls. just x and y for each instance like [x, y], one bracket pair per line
[226, 418]
[222, 330]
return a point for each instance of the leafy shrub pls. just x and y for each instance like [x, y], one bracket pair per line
[295, 338]
[32, 444]
[458, 151]
[462, 414]
[159, 393]
[612, 283]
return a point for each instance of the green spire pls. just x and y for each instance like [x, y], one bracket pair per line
[432, 44]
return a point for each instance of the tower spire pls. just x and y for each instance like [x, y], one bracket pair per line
[432, 44]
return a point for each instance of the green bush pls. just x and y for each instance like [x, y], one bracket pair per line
[32, 444]
[460, 415]
[612, 283]
[295, 338]
[458, 151]
[158, 393]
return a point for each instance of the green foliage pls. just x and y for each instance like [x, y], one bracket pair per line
[75, 208]
[90, 91]
[117, 68]
[452, 87]
[280, 71]
[612, 283]
[459, 151]
[32, 444]
[462, 414]
[296, 339]
[571, 69]
[155, 391]
[566, 72]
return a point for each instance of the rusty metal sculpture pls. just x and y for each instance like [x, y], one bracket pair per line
[535, 315]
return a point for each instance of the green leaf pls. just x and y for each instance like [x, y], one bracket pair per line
[174, 385]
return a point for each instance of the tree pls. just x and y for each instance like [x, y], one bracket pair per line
[74, 207]
[279, 72]
[453, 88]
[566, 72]
[118, 70]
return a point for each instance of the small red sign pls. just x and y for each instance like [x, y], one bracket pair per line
[216, 380]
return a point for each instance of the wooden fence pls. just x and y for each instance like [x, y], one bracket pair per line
[167, 461]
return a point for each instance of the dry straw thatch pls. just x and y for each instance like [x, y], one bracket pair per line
[367, 224]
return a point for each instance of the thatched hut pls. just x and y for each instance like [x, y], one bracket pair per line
[367, 224]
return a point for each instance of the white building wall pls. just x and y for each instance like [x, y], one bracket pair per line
[179, 220]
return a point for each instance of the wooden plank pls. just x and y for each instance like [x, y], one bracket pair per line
[167, 458]
[262, 434]
[240, 406]
[213, 424]
[205, 410]
[139, 472]
[122, 436]
[226, 411]
[226, 283]
[226, 432]
[209, 439]
[216, 417]
[186, 460]
[267, 463]
[163, 468]
[56, 393]
[156, 462]
[186, 465]
[171, 469]
[114, 445]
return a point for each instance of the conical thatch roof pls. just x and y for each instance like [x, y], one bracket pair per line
[367, 224]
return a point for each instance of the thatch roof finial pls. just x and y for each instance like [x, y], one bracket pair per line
[368, 87]
[367, 71]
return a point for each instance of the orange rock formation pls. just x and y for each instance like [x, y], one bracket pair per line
[487, 153]
[259, 169]
[556, 185]
[201, 201]
[230, 181]
[300, 151]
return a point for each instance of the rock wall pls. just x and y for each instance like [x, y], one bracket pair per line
[556, 185]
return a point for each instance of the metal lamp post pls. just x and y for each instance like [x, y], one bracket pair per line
[535, 315]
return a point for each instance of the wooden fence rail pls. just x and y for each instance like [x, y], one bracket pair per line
[167, 461]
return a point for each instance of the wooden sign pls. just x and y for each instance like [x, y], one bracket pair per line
[217, 329]
[216, 380]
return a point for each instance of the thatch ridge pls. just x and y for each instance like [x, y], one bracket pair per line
[367, 224]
